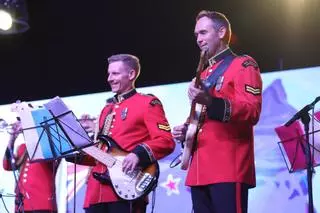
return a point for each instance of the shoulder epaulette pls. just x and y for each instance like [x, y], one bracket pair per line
[249, 62]
[155, 102]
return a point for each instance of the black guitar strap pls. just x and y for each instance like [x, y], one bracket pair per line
[211, 81]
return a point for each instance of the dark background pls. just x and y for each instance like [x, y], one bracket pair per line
[64, 52]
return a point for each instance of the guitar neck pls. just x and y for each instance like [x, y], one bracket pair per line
[101, 156]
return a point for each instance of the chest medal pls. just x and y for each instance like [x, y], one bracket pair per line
[219, 83]
[124, 113]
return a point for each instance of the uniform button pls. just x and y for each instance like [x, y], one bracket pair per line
[24, 180]
[26, 169]
[110, 133]
[200, 130]
[117, 106]
[210, 70]
[25, 175]
[111, 126]
[27, 164]
[113, 119]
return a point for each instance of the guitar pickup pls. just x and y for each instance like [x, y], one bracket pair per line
[144, 182]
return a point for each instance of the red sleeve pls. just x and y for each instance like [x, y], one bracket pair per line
[247, 100]
[161, 142]
[7, 157]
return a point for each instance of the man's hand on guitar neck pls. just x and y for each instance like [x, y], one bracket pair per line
[179, 132]
[198, 95]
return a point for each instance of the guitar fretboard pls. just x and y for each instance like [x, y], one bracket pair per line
[100, 155]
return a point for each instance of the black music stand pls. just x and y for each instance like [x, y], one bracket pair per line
[60, 133]
[68, 122]
[2, 195]
[304, 150]
[56, 137]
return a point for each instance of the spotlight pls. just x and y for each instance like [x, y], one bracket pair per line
[13, 17]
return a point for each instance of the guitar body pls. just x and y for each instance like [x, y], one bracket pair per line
[191, 134]
[127, 186]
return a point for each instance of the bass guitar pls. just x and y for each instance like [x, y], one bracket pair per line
[128, 186]
[193, 119]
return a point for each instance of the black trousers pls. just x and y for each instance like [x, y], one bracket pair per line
[138, 206]
[40, 211]
[220, 198]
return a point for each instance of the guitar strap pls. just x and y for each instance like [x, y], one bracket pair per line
[107, 122]
[105, 129]
[211, 81]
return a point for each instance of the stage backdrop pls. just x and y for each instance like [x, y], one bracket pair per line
[277, 190]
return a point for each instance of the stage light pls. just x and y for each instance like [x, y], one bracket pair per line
[13, 17]
[5, 20]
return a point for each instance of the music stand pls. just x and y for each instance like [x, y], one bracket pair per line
[292, 145]
[53, 132]
[69, 123]
[2, 195]
[297, 150]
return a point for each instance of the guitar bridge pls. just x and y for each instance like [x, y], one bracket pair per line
[144, 182]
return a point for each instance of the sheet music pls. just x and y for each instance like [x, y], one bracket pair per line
[69, 122]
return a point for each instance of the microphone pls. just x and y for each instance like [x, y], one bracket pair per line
[304, 110]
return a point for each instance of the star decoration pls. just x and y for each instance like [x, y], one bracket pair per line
[171, 185]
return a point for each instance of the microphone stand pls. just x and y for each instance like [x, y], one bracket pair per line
[305, 119]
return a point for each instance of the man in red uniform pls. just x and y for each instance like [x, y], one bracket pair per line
[222, 166]
[138, 124]
[35, 192]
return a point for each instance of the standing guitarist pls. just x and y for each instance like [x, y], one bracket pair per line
[222, 166]
[138, 124]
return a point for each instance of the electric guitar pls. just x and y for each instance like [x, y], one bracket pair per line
[128, 186]
[193, 119]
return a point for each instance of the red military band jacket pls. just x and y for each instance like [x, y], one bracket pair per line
[225, 147]
[36, 182]
[138, 124]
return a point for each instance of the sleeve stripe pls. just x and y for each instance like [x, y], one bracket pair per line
[255, 91]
